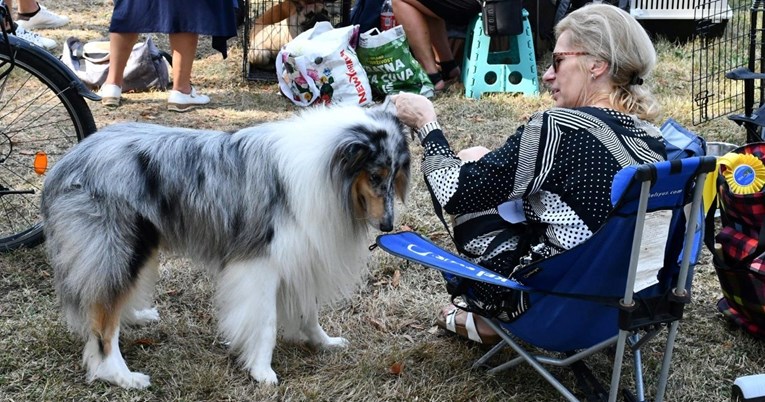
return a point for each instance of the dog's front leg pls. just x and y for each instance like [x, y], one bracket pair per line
[246, 298]
[315, 334]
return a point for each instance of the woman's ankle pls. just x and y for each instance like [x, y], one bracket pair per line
[449, 69]
[437, 80]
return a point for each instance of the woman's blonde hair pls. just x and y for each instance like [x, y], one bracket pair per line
[608, 33]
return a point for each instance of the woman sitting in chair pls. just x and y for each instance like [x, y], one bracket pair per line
[551, 180]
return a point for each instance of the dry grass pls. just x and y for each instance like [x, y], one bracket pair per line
[389, 321]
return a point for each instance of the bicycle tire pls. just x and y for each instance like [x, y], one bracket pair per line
[42, 116]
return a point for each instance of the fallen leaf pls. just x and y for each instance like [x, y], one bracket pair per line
[148, 114]
[415, 325]
[405, 228]
[145, 342]
[396, 368]
[396, 279]
[404, 323]
[377, 324]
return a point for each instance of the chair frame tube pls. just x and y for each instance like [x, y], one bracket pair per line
[645, 189]
[681, 280]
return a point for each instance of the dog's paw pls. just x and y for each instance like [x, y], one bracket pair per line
[129, 380]
[145, 316]
[265, 376]
[134, 380]
[333, 342]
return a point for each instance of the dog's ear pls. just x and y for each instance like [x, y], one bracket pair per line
[351, 156]
[401, 183]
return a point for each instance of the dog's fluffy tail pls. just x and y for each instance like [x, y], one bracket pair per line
[96, 262]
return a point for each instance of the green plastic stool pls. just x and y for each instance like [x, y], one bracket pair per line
[511, 69]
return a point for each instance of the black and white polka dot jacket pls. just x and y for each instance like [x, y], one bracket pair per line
[561, 164]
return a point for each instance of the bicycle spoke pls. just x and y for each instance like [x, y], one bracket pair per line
[40, 120]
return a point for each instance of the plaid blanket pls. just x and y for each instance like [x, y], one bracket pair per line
[741, 270]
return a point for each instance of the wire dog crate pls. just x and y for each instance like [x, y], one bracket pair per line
[271, 24]
[677, 19]
[728, 70]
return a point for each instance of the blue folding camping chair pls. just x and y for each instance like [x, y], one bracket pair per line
[619, 287]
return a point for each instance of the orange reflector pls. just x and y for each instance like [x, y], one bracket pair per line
[41, 162]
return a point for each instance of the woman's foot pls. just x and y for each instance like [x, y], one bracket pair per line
[437, 80]
[449, 73]
[178, 101]
[466, 325]
[110, 95]
[450, 70]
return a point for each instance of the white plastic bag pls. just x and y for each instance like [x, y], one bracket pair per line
[321, 63]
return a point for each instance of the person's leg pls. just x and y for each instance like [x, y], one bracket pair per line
[415, 18]
[32, 15]
[440, 39]
[184, 46]
[183, 97]
[26, 6]
[120, 46]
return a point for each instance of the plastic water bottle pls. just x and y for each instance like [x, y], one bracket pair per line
[387, 20]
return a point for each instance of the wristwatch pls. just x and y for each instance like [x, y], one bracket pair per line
[423, 131]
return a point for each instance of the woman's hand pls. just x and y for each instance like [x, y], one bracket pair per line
[414, 110]
[473, 153]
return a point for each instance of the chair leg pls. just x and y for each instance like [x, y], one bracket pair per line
[617, 371]
[480, 362]
[638, 368]
[664, 375]
[534, 363]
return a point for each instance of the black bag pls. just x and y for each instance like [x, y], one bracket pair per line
[502, 17]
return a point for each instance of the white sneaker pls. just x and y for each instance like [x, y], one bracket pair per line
[178, 101]
[110, 95]
[35, 38]
[44, 19]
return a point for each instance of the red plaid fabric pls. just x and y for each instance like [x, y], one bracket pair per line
[742, 278]
[736, 246]
[744, 298]
[745, 212]
[734, 316]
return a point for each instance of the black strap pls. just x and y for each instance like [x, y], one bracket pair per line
[439, 212]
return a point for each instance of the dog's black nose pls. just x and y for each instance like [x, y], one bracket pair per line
[386, 226]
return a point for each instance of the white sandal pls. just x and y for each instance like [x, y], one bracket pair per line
[469, 330]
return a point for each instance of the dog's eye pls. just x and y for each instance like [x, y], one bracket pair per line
[375, 179]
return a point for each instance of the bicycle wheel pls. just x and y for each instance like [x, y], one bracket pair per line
[41, 117]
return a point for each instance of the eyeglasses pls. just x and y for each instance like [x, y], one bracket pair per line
[558, 57]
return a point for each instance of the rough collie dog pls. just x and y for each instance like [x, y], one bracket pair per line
[279, 213]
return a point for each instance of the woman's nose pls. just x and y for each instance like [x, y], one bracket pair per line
[549, 74]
